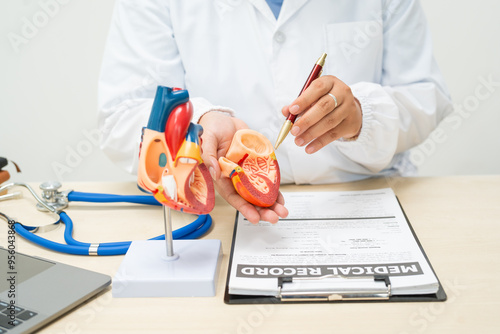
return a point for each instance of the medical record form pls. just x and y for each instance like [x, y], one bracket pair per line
[331, 240]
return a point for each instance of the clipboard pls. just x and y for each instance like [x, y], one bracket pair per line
[383, 294]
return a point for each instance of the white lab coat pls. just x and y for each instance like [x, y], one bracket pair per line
[233, 55]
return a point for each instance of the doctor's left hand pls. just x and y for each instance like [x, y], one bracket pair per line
[327, 111]
[218, 133]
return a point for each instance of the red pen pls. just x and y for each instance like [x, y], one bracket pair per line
[315, 73]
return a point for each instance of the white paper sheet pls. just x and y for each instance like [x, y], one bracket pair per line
[356, 234]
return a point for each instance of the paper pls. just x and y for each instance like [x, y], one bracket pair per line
[355, 234]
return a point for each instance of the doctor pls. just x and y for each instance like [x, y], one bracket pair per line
[244, 62]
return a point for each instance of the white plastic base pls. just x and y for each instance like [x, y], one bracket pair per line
[146, 271]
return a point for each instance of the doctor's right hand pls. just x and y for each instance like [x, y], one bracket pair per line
[218, 133]
[328, 111]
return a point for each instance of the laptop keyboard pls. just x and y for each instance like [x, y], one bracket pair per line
[6, 321]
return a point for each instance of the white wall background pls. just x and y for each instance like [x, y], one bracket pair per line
[48, 91]
[466, 37]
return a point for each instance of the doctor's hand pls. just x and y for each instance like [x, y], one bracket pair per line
[324, 118]
[218, 132]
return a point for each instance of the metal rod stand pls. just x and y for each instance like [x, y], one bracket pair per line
[169, 240]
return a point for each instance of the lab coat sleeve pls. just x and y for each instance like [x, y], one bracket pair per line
[140, 54]
[401, 111]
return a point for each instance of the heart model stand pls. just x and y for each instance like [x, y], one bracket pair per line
[170, 268]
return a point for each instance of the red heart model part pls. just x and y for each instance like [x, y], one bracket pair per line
[251, 165]
[177, 127]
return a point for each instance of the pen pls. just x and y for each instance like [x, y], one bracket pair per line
[315, 73]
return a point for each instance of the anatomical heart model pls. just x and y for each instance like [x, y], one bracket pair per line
[251, 165]
[170, 164]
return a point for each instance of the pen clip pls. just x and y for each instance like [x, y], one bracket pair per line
[327, 288]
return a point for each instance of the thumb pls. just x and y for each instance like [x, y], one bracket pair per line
[209, 154]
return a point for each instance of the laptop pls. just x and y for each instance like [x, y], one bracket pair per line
[35, 291]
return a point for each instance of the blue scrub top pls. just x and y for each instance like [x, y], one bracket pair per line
[275, 6]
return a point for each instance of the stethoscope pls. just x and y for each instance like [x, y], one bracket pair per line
[55, 201]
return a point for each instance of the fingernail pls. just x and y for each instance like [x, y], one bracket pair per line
[299, 141]
[293, 109]
[295, 130]
[212, 172]
[310, 149]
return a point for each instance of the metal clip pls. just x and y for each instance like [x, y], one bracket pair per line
[329, 288]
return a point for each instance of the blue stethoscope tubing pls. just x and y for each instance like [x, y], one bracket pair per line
[191, 231]
[76, 196]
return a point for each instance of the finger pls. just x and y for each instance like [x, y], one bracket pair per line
[209, 154]
[250, 213]
[280, 210]
[330, 136]
[214, 169]
[273, 213]
[322, 112]
[325, 125]
[225, 188]
[280, 199]
[276, 211]
[279, 206]
[285, 111]
[268, 215]
[313, 93]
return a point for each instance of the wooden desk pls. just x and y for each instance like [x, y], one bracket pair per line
[456, 219]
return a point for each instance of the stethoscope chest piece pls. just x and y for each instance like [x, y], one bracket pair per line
[53, 197]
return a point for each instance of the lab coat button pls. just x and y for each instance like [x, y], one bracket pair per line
[279, 37]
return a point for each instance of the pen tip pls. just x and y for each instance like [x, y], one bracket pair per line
[283, 133]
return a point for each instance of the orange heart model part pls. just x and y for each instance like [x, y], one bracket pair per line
[251, 165]
[170, 164]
